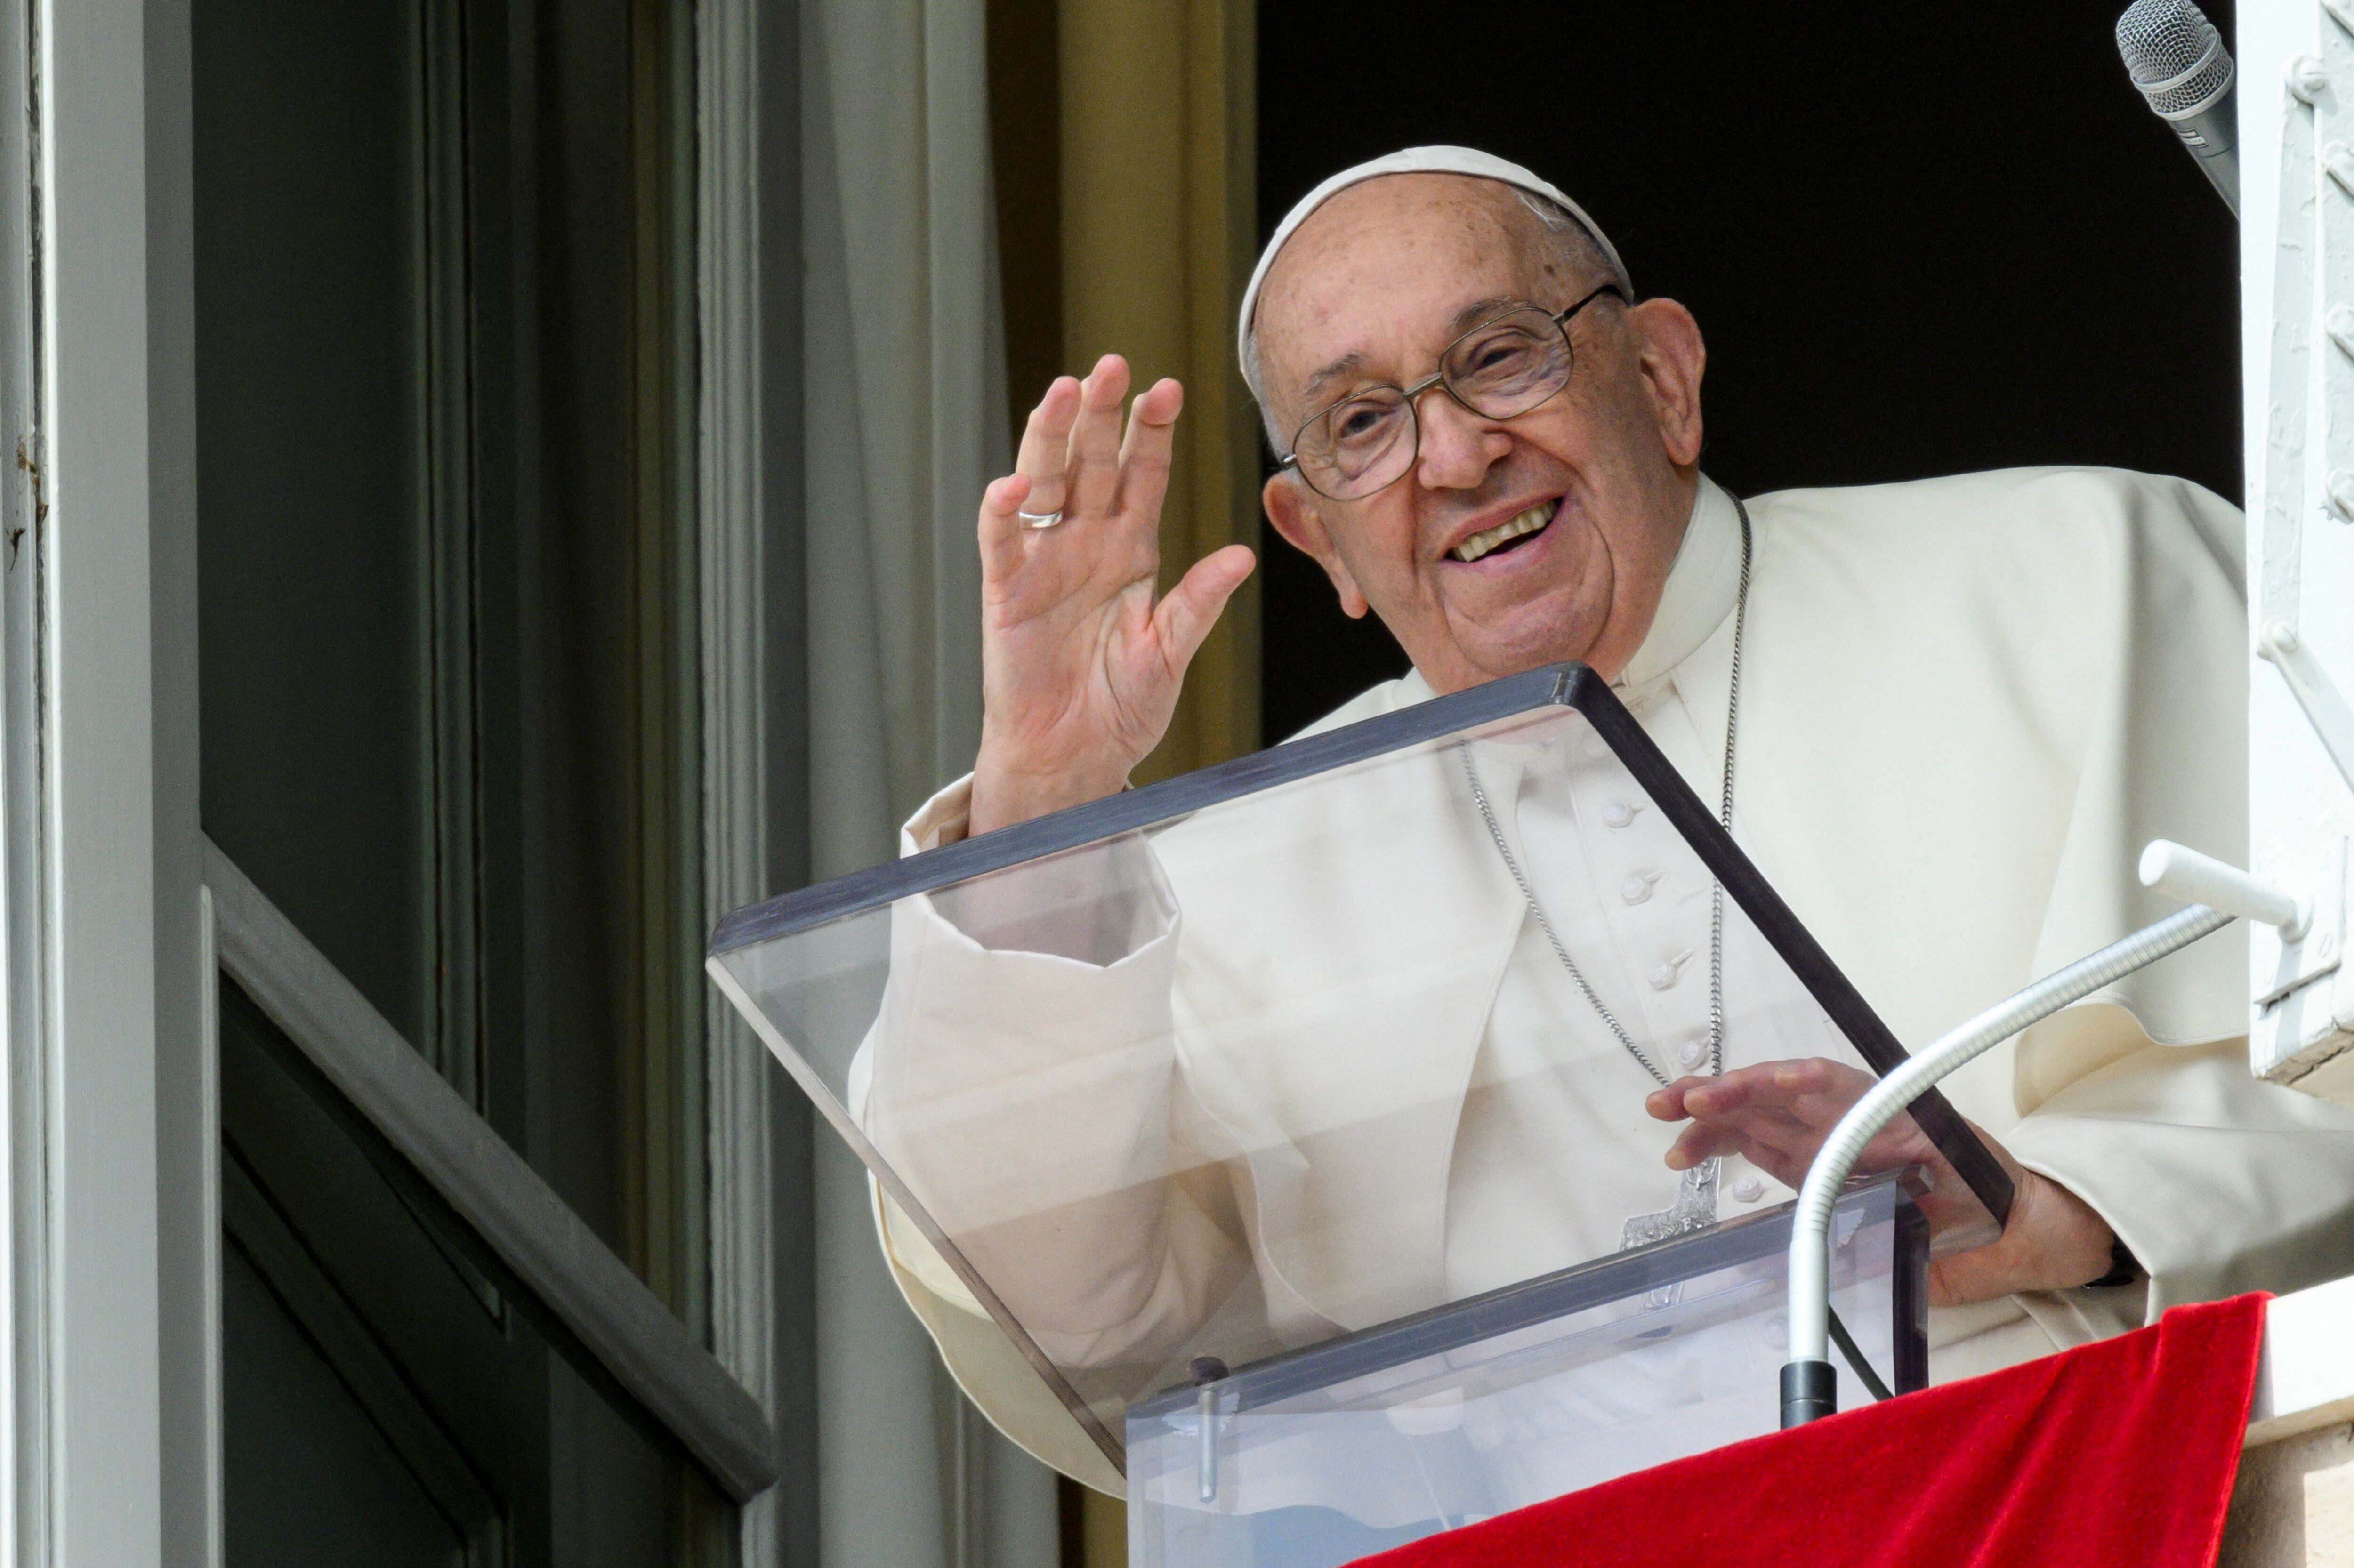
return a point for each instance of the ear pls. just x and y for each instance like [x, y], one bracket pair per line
[1294, 509]
[1671, 358]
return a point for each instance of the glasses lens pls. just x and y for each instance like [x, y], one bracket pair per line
[1508, 365]
[1358, 445]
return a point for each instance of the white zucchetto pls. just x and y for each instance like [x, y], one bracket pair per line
[1418, 161]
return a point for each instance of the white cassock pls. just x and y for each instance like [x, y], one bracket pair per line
[1966, 706]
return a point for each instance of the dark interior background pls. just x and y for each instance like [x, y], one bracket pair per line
[1920, 239]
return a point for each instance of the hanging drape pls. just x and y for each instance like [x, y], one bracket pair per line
[903, 392]
[1158, 114]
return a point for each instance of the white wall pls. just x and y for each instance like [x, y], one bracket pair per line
[2301, 808]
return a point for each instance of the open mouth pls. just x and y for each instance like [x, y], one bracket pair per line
[1508, 535]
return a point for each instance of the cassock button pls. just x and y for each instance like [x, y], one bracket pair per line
[1663, 976]
[1748, 1190]
[1618, 814]
[1693, 1053]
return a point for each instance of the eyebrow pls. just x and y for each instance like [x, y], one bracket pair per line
[1332, 373]
[1461, 322]
[1478, 310]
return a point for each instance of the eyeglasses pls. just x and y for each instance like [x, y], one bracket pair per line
[1499, 370]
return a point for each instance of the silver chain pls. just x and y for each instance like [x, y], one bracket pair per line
[1716, 888]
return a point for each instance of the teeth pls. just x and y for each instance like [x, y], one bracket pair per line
[1528, 522]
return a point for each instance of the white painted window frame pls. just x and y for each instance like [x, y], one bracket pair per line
[107, 1460]
[2295, 101]
[110, 1452]
[537, 1239]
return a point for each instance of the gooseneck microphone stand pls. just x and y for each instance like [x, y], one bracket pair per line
[2219, 894]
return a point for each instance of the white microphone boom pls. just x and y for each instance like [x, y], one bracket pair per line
[2167, 867]
[2178, 60]
[1809, 1388]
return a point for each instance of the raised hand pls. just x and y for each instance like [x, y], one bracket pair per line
[1081, 661]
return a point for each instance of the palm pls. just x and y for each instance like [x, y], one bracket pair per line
[1072, 655]
[1081, 662]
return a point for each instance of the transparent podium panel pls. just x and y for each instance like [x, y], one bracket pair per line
[1299, 1046]
[1322, 1457]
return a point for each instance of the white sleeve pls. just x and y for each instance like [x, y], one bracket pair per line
[1022, 1078]
[2219, 1181]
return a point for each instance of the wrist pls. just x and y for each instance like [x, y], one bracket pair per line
[1003, 796]
[2054, 1241]
[2061, 1241]
[2124, 1268]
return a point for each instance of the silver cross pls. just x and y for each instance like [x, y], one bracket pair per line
[1694, 1210]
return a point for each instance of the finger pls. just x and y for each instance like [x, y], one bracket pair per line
[1788, 1169]
[1760, 1117]
[1704, 1140]
[1901, 1143]
[1814, 1083]
[1788, 1139]
[1144, 456]
[1046, 444]
[1192, 607]
[1000, 530]
[1094, 439]
[1728, 1096]
[1760, 1132]
[1667, 1104]
[1784, 1160]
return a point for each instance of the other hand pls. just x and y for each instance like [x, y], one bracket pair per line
[1081, 659]
[1777, 1115]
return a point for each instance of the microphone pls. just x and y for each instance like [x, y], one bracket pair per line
[2178, 60]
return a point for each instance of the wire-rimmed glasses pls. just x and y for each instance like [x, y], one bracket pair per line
[1499, 370]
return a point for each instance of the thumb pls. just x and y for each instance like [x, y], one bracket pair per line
[1192, 607]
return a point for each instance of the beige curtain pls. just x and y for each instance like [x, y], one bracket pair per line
[904, 392]
[1135, 230]
[1124, 138]
[1158, 230]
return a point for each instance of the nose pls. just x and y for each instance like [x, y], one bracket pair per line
[1459, 447]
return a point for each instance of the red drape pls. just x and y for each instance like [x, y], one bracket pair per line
[2115, 1454]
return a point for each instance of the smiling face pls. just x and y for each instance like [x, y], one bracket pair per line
[1510, 544]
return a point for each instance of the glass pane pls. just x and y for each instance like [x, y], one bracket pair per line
[308, 1476]
[448, 687]
[318, 762]
[387, 1385]
[1278, 1052]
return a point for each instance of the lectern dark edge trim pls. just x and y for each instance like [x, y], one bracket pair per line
[1751, 1238]
[1152, 805]
[1831, 988]
[1573, 687]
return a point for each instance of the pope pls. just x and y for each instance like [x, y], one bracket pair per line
[1944, 716]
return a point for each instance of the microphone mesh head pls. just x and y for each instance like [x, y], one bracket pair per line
[2174, 54]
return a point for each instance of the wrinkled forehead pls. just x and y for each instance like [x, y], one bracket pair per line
[1433, 159]
[1389, 270]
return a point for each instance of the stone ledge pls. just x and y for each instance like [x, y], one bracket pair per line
[2292, 1504]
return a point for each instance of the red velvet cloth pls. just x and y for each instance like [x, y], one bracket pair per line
[2114, 1454]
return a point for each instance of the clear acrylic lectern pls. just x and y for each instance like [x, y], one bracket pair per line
[1316, 1459]
[1286, 1119]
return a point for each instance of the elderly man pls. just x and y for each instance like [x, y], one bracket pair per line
[1960, 707]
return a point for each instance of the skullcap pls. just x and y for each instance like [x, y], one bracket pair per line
[1418, 161]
